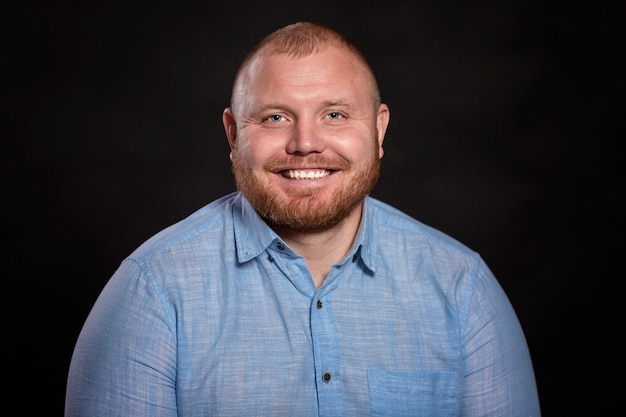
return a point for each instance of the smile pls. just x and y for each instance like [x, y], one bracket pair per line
[305, 174]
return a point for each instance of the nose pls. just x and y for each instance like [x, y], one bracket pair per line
[306, 137]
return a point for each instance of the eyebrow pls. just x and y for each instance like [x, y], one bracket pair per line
[327, 103]
[338, 103]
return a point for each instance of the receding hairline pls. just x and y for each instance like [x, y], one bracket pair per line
[302, 39]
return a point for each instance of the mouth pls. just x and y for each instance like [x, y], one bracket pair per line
[305, 174]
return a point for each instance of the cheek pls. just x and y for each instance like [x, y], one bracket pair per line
[360, 152]
[255, 153]
[355, 144]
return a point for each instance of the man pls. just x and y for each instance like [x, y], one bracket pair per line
[300, 295]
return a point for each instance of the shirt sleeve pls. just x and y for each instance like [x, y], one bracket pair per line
[499, 377]
[124, 361]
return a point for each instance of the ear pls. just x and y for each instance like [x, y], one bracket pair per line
[382, 121]
[230, 127]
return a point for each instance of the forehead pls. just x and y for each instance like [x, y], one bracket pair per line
[332, 66]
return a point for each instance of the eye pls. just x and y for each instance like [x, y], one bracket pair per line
[334, 115]
[275, 118]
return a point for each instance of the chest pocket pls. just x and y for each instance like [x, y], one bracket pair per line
[400, 394]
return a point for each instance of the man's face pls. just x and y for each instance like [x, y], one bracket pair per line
[305, 137]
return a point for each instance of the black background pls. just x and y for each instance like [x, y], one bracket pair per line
[504, 128]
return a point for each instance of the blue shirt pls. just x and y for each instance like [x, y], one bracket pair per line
[217, 316]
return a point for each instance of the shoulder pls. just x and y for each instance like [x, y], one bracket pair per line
[394, 224]
[418, 256]
[195, 229]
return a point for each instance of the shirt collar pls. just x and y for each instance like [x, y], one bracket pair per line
[253, 235]
[365, 245]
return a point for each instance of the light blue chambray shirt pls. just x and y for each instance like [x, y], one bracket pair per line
[217, 316]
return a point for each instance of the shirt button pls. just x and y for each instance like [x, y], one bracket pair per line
[320, 304]
[280, 246]
[326, 377]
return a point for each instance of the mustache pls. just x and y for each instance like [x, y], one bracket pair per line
[314, 161]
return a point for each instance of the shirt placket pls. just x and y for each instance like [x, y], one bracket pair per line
[326, 353]
[323, 329]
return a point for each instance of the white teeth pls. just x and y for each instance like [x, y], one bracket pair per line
[307, 175]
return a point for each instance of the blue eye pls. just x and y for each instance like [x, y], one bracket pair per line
[334, 115]
[275, 118]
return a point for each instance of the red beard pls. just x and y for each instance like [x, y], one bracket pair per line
[302, 210]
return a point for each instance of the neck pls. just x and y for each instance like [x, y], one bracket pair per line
[325, 248]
